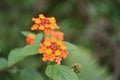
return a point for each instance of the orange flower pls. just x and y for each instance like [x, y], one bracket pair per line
[44, 24]
[64, 54]
[30, 39]
[53, 50]
[58, 60]
[49, 57]
[57, 34]
[42, 49]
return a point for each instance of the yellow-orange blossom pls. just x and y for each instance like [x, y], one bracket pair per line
[44, 24]
[53, 50]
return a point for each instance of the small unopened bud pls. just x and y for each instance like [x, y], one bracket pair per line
[76, 67]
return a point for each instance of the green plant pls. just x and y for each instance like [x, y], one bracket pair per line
[28, 63]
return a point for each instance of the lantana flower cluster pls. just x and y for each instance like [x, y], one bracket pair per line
[44, 24]
[52, 46]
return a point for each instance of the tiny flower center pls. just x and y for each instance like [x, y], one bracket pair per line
[44, 21]
[54, 47]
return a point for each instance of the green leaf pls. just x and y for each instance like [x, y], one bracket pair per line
[35, 62]
[17, 55]
[38, 37]
[3, 63]
[70, 46]
[60, 72]
[30, 74]
[90, 67]
[25, 33]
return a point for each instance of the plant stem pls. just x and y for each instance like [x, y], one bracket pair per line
[43, 35]
[48, 63]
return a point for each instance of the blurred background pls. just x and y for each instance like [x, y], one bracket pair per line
[91, 24]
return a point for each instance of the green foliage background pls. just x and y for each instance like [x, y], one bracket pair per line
[92, 24]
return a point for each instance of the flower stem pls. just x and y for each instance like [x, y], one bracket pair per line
[48, 63]
[43, 35]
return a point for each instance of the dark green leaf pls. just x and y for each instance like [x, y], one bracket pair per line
[35, 62]
[30, 74]
[17, 55]
[60, 72]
